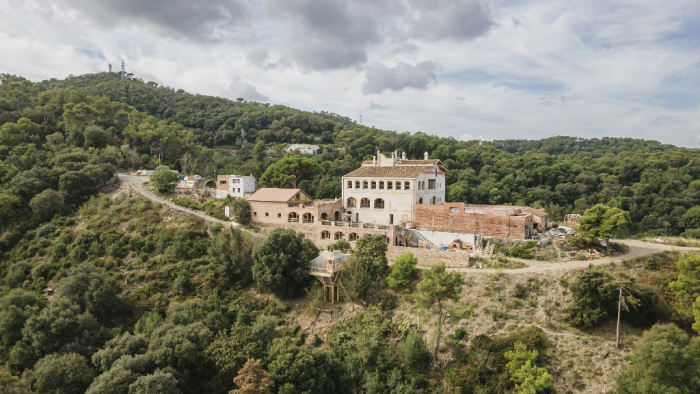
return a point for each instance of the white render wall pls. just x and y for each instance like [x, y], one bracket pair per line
[245, 185]
[445, 238]
[399, 203]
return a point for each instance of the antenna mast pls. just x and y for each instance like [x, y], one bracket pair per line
[123, 70]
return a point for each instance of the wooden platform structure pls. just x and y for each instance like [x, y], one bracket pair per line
[326, 268]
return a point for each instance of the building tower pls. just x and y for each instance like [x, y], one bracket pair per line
[110, 67]
[123, 70]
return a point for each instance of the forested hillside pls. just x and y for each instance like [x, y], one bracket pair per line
[115, 294]
[656, 183]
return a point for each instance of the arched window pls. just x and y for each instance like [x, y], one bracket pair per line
[324, 216]
[353, 237]
[308, 218]
[420, 200]
[325, 234]
[406, 185]
[364, 203]
[338, 235]
[379, 203]
[352, 203]
[293, 217]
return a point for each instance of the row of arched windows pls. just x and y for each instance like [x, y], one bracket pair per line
[365, 203]
[306, 218]
[352, 237]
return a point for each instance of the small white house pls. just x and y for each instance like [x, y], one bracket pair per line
[234, 185]
[304, 149]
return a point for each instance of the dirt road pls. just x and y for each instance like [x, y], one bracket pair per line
[136, 183]
[637, 249]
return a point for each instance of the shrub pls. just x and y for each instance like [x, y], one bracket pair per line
[240, 211]
[403, 271]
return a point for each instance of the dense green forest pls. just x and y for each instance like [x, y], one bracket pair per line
[117, 295]
[656, 183]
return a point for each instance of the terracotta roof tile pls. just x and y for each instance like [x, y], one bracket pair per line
[271, 194]
[390, 172]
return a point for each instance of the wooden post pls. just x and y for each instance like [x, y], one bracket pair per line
[619, 308]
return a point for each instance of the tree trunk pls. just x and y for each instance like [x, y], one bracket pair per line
[619, 309]
[439, 332]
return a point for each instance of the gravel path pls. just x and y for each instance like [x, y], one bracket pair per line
[637, 249]
[136, 183]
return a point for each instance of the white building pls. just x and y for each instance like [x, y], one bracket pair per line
[386, 190]
[234, 185]
[304, 149]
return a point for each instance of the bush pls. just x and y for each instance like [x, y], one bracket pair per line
[403, 272]
[281, 262]
[183, 202]
[340, 245]
[414, 353]
[693, 233]
[593, 293]
[240, 211]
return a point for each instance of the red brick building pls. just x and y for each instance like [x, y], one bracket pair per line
[489, 221]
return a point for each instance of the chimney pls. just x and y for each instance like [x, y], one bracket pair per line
[403, 155]
[425, 155]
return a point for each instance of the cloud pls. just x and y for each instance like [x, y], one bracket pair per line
[209, 20]
[379, 77]
[373, 106]
[246, 91]
[258, 56]
[325, 34]
[450, 19]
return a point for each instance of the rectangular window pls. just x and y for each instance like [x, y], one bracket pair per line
[431, 184]
[390, 185]
[349, 184]
[357, 184]
[235, 181]
[398, 185]
[267, 214]
[374, 184]
[406, 185]
[222, 182]
[381, 185]
[365, 184]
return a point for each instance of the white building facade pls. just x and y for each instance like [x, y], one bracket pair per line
[387, 189]
[234, 185]
[304, 149]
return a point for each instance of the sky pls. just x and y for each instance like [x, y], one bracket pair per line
[469, 69]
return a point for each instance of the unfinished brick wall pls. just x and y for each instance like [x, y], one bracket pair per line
[489, 222]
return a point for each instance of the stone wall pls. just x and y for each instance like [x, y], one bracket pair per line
[454, 217]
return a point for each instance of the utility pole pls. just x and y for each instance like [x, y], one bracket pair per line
[619, 313]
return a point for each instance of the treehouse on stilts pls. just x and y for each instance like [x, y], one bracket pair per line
[326, 268]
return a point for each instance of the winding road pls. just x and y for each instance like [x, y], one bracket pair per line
[136, 183]
[637, 248]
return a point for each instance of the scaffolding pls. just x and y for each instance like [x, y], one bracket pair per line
[326, 268]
